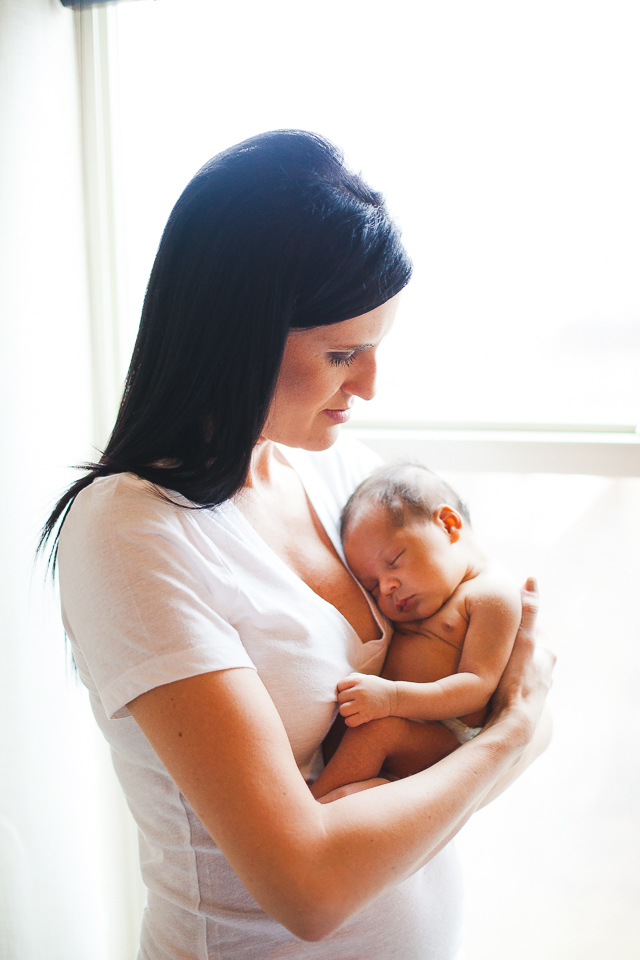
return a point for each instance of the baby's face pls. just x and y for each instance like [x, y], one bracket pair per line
[411, 571]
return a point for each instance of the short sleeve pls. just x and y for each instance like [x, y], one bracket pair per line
[146, 597]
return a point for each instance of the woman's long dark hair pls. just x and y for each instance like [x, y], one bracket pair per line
[272, 234]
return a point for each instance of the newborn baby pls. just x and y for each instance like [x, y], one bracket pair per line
[407, 537]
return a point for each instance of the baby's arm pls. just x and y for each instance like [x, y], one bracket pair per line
[493, 622]
[364, 697]
[494, 615]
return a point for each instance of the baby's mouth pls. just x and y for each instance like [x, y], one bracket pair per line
[404, 604]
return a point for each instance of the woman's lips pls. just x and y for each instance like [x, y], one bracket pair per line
[338, 416]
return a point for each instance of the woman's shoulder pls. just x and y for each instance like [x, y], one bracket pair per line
[124, 521]
[120, 504]
[120, 492]
[123, 530]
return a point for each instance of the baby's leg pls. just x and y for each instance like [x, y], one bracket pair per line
[418, 745]
[398, 747]
[359, 756]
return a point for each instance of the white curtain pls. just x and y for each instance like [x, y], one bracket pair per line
[61, 860]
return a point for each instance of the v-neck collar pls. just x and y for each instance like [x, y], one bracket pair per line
[312, 489]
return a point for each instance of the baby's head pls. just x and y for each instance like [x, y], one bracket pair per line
[407, 537]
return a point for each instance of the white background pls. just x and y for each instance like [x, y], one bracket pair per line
[505, 138]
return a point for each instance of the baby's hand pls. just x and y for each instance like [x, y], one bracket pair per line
[363, 697]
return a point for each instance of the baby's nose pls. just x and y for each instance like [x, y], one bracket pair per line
[388, 585]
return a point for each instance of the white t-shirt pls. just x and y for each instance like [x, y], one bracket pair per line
[153, 592]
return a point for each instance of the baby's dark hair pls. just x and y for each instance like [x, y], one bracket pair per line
[402, 487]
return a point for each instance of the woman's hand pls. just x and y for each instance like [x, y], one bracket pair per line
[521, 693]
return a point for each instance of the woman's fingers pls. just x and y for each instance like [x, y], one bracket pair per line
[524, 645]
[543, 658]
[527, 676]
[530, 605]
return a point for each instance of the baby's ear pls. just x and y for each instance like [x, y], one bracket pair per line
[450, 520]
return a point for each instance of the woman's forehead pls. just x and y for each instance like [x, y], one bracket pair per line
[365, 330]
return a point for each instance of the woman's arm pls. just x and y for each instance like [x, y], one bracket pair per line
[538, 745]
[524, 652]
[311, 865]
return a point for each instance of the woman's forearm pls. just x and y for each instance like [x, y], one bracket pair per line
[539, 743]
[342, 855]
[431, 806]
[312, 865]
[376, 838]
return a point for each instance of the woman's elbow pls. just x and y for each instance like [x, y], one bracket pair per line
[315, 923]
[312, 929]
[306, 884]
[316, 909]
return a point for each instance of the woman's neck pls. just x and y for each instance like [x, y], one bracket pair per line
[263, 459]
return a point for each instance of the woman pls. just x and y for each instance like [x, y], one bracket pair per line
[207, 602]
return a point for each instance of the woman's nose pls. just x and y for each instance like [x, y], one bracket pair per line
[361, 381]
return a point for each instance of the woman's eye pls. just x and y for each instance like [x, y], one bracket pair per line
[342, 359]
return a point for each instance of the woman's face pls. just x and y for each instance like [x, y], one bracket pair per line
[323, 370]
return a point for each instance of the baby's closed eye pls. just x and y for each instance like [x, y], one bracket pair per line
[393, 562]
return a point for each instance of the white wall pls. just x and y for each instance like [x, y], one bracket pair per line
[55, 859]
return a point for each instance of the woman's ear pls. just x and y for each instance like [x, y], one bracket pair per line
[450, 520]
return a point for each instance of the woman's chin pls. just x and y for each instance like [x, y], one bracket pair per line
[314, 441]
[327, 441]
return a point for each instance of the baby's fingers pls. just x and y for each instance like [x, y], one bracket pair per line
[349, 681]
[355, 721]
[348, 708]
[346, 695]
[351, 714]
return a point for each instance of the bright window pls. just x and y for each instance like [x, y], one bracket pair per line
[505, 138]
